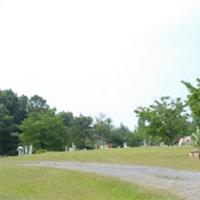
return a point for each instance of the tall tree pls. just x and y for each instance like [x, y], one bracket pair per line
[10, 100]
[37, 103]
[80, 132]
[165, 119]
[13, 111]
[102, 129]
[44, 130]
[67, 118]
[194, 100]
[7, 126]
[120, 135]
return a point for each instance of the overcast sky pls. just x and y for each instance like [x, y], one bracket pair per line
[107, 56]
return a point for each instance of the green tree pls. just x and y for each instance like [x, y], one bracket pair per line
[13, 111]
[165, 120]
[120, 135]
[196, 138]
[22, 110]
[44, 130]
[136, 139]
[102, 130]
[37, 103]
[80, 132]
[67, 118]
[194, 100]
[8, 142]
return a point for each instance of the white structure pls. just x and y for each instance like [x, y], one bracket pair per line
[30, 150]
[101, 147]
[20, 150]
[73, 147]
[162, 144]
[185, 141]
[144, 143]
[125, 145]
[26, 149]
[66, 148]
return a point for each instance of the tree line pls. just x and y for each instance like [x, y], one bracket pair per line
[31, 120]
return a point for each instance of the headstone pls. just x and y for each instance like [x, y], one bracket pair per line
[101, 147]
[30, 151]
[26, 149]
[144, 143]
[162, 144]
[73, 147]
[20, 150]
[125, 145]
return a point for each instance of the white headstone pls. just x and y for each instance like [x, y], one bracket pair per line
[73, 147]
[162, 144]
[30, 149]
[26, 149]
[125, 145]
[101, 147]
[20, 150]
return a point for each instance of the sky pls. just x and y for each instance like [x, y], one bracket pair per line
[108, 56]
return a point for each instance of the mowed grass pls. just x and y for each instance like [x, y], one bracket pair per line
[34, 183]
[172, 157]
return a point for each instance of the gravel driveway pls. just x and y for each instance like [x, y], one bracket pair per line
[182, 183]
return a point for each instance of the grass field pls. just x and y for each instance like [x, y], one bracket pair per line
[34, 183]
[172, 157]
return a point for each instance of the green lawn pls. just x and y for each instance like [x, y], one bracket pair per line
[172, 157]
[34, 183]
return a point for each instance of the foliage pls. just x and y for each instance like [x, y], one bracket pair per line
[80, 132]
[37, 103]
[67, 118]
[194, 100]
[196, 138]
[120, 135]
[165, 119]
[102, 130]
[16, 106]
[135, 139]
[13, 110]
[7, 126]
[44, 130]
